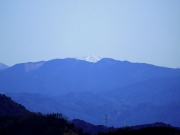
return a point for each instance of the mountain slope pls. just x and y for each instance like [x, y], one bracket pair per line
[87, 91]
[9, 107]
[37, 124]
[67, 75]
[15, 119]
[139, 103]
[3, 66]
[157, 91]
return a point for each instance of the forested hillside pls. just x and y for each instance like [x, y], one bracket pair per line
[8, 107]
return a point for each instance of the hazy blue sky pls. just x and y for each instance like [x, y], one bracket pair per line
[145, 31]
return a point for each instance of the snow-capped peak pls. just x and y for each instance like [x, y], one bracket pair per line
[89, 58]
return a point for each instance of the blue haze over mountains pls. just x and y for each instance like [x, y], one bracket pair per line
[130, 93]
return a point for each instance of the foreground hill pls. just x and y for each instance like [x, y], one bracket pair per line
[156, 128]
[25, 122]
[37, 124]
[144, 131]
[9, 107]
[57, 124]
[16, 120]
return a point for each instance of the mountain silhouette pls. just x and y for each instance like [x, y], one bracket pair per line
[67, 75]
[130, 93]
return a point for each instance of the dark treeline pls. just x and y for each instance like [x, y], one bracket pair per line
[9, 107]
[16, 120]
[144, 131]
[57, 124]
[37, 124]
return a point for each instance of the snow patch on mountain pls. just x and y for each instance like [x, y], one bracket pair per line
[33, 65]
[89, 58]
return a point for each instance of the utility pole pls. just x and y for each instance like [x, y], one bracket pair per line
[106, 120]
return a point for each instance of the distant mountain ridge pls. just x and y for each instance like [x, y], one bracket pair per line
[87, 90]
[89, 58]
[54, 76]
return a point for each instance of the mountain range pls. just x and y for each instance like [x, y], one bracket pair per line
[129, 93]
